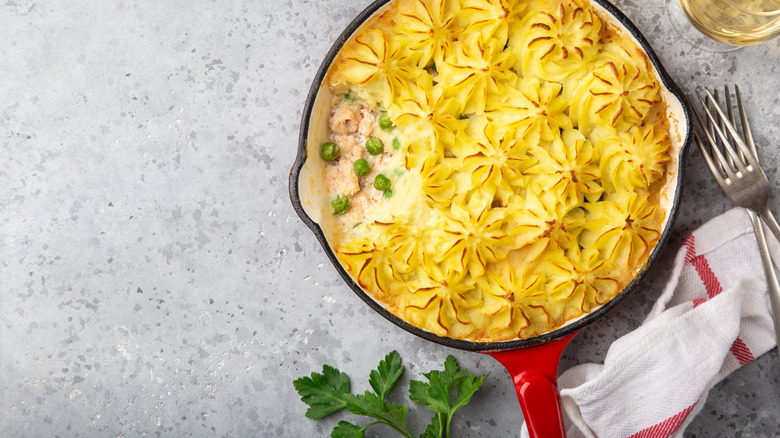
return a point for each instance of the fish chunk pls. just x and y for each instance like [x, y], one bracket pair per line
[345, 121]
[367, 122]
[358, 206]
[341, 179]
[349, 147]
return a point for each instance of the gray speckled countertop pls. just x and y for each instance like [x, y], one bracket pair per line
[155, 278]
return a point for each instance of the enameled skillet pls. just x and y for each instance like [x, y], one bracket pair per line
[533, 362]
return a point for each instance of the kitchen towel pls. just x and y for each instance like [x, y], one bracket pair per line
[712, 318]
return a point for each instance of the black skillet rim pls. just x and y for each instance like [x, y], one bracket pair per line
[460, 344]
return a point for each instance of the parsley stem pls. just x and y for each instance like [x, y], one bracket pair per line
[400, 429]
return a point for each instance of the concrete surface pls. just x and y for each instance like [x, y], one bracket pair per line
[155, 278]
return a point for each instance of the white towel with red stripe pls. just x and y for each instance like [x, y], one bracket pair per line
[712, 318]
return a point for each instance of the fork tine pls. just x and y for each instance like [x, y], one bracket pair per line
[745, 125]
[733, 159]
[715, 123]
[729, 107]
[709, 122]
[734, 134]
[730, 173]
[718, 145]
[731, 119]
[716, 169]
[709, 127]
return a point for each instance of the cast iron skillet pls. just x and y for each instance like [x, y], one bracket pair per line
[533, 362]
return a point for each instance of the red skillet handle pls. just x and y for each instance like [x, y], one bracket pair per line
[535, 374]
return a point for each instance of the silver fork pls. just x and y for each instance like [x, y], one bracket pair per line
[728, 165]
[739, 175]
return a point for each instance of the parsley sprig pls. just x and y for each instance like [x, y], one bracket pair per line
[444, 393]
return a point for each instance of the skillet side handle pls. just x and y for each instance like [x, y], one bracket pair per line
[534, 371]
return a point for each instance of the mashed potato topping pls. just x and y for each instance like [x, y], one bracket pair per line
[523, 149]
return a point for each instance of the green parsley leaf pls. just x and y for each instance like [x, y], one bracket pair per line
[437, 393]
[467, 386]
[418, 391]
[371, 405]
[345, 429]
[325, 393]
[436, 427]
[384, 377]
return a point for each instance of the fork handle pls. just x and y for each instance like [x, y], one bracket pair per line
[772, 283]
[769, 219]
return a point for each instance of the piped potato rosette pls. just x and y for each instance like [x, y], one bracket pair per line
[556, 39]
[533, 109]
[512, 156]
[618, 92]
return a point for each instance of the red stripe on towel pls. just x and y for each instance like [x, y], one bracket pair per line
[665, 428]
[690, 248]
[741, 351]
[702, 266]
[708, 277]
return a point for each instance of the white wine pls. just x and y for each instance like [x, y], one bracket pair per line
[734, 22]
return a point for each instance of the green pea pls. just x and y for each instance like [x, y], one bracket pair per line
[329, 151]
[340, 204]
[396, 144]
[385, 123]
[361, 167]
[387, 194]
[374, 146]
[382, 182]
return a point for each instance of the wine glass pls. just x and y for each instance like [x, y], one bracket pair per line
[724, 25]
